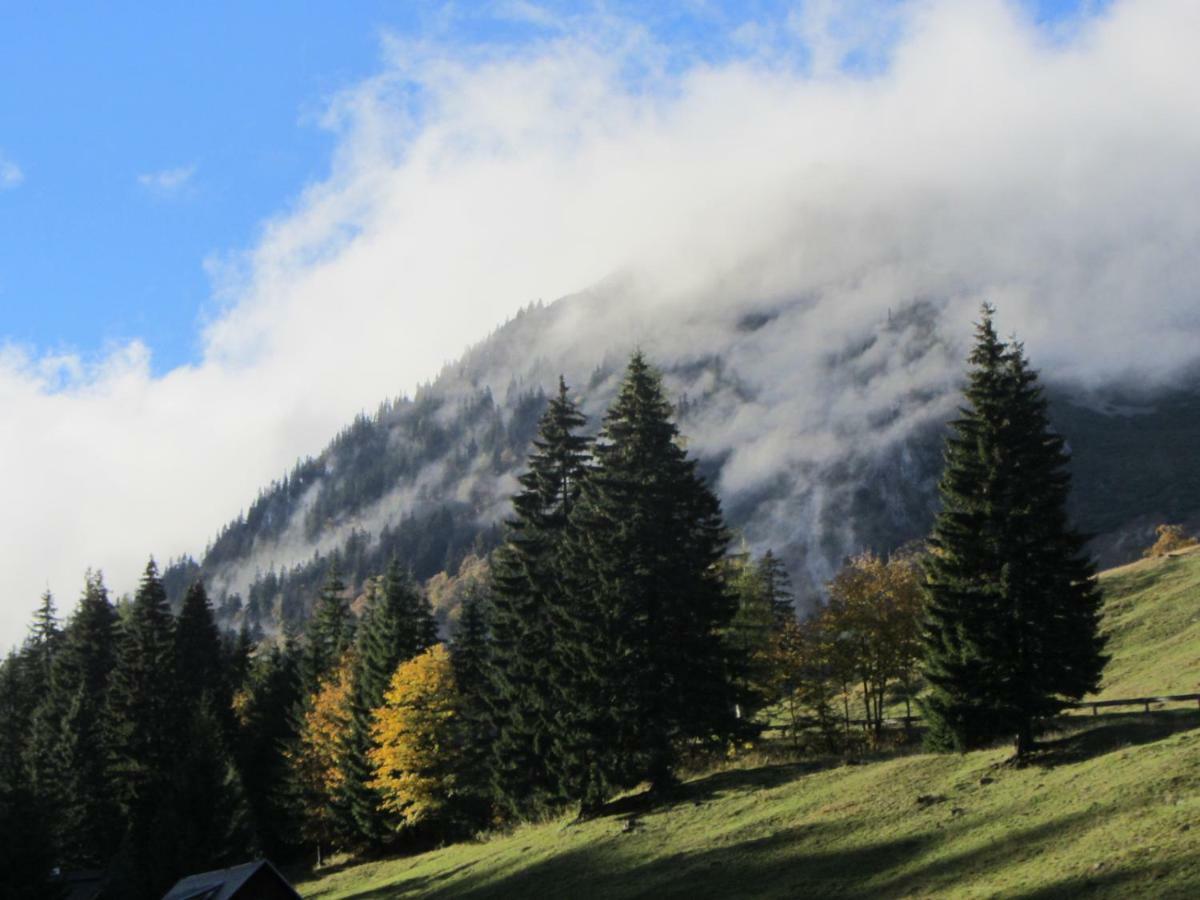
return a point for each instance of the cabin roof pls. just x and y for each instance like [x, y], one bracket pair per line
[221, 884]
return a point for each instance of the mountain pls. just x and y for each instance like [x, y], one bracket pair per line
[818, 420]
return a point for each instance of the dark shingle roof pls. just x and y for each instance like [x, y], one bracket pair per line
[220, 884]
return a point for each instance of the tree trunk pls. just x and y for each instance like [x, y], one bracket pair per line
[1024, 739]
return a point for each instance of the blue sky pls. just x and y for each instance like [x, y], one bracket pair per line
[143, 139]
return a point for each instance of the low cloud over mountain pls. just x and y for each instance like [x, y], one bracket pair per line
[800, 233]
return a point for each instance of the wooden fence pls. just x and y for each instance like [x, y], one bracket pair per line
[1094, 705]
[1144, 702]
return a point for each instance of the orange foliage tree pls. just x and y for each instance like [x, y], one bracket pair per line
[315, 757]
[415, 756]
[1171, 538]
[874, 614]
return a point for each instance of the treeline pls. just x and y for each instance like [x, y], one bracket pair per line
[122, 750]
[615, 639]
[148, 745]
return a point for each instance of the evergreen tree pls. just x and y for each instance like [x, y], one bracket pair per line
[650, 668]
[205, 822]
[397, 625]
[27, 848]
[146, 718]
[88, 827]
[1012, 602]
[204, 770]
[17, 703]
[200, 659]
[266, 725]
[777, 587]
[26, 851]
[752, 631]
[471, 657]
[528, 612]
[45, 639]
[238, 654]
[330, 631]
[43, 761]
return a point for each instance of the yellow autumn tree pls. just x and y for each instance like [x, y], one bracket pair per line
[414, 754]
[874, 612]
[1171, 539]
[315, 758]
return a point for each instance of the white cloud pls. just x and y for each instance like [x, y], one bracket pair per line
[10, 173]
[1056, 177]
[167, 181]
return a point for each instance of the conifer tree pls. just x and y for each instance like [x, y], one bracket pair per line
[397, 626]
[330, 631]
[1012, 602]
[45, 639]
[527, 612]
[145, 715]
[27, 851]
[39, 657]
[204, 771]
[238, 654]
[199, 658]
[474, 732]
[88, 827]
[752, 631]
[17, 703]
[204, 817]
[266, 725]
[649, 665]
[777, 587]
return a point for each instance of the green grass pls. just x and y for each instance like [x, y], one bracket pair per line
[1152, 617]
[1111, 809]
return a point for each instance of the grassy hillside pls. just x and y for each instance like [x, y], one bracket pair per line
[1108, 810]
[1152, 616]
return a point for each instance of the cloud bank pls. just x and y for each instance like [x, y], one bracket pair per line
[956, 152]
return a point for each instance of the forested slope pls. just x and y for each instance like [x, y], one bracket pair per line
[820, 441]
[1110, 808]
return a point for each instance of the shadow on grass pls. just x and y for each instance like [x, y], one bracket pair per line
[1113, 732]
[816, 859]
[820, 859]
[712, 787]
[1117, 883]
[792, 862]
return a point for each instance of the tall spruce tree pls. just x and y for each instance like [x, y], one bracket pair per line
[204, 770]
[397, 625]
[1012, 624]
[330, 631]
[40, 655]
[266, 724]
[45, 638]
[203, 819]
[471, 657]
[527, 612]
[649, 668]
[146, 716]
[777, 587]
[198, 656]
[88, 824]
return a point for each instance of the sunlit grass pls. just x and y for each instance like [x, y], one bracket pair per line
[1112, 807]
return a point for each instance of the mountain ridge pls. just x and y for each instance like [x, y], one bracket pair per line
[839, 453]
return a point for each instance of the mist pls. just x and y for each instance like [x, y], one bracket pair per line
[979, 157]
